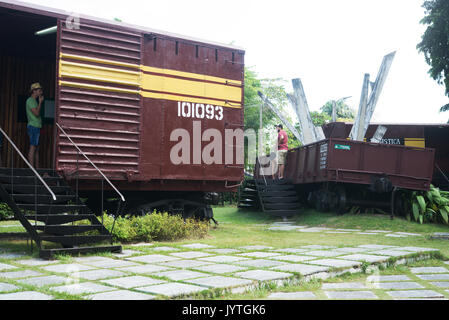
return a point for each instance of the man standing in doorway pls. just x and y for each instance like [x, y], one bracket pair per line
[282, 149]
[33, 109]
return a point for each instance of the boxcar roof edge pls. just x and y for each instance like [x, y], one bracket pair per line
[62, 14]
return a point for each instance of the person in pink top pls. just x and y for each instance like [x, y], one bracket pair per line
[282, 149]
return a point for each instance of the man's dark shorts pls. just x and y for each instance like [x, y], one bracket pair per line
[34, 134]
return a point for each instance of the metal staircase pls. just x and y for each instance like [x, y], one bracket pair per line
[52, 213]
[65, 221]
[275, 197]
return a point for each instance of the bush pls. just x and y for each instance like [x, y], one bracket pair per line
[5, 211]
[155, 227]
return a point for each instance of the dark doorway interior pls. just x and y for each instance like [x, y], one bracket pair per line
[24, 59]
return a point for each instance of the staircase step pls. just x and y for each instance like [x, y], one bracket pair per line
[277, 187]
[278, 193]
[30, 189]
[282, 206]
[48, 254]
[267, 198]
[76, 240]
[57, 219]
[49, 209]
[26, 172]
[42, 199]
[67, 230]
[246, 206]
[29, 180]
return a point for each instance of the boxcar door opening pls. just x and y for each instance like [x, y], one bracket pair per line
[26, 58]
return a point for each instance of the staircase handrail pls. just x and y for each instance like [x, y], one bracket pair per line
[28, 164]
[87, 158]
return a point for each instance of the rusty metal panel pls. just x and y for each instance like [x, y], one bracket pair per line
[194, 87]
[98, 99]
[345, 161]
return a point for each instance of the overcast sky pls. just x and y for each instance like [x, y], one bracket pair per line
[329, 44]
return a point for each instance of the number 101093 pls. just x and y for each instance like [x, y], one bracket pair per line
[199, 111]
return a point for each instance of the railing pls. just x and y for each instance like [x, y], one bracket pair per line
[79, 151]
[36, 178]
[27, 163]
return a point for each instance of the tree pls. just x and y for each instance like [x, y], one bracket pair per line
[435, 42]
[344, 112]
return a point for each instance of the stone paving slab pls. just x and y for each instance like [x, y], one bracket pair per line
[364, 257]
[223, 259]
[263, 275]
[5, 287]
[45, 281]
[392, 235]
[350, 295]
[219, 282]
[259, 254]
[441, 284]
[111, 264]
[145, 269]
[422, 270]
[35, 262]
[324, 253]
[142, 244]
[220, 268]
[368, 233]
[291, 250]
[20, 274]
[418, 249]
[4, 266]
[379, 278]
[100, 274]
[334, 263]
[293, 258]
[82, 288]
[376, 246]
[301, 268]
[68, 268]
[224, 251]
[292, 295]
[352, 250]
[398, 285]
[153, 258]
[337, 232]
[415, 294]
[171, 289]
[126, 253]
[260, 263]
[25, 296]
[90, 259]
[165, 249]
[438, 276]
[409, 234]
[343, 285]
[184, 264]
[9, 255]
[178, 275]
[197, 246]
[121, 295]
[190, 254]
[257, 247]
[391, 253]
[132, 282]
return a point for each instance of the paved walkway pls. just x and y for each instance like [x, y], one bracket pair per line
[290, 226]
[149, 271]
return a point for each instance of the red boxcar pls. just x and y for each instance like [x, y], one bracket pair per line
[120, 93]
